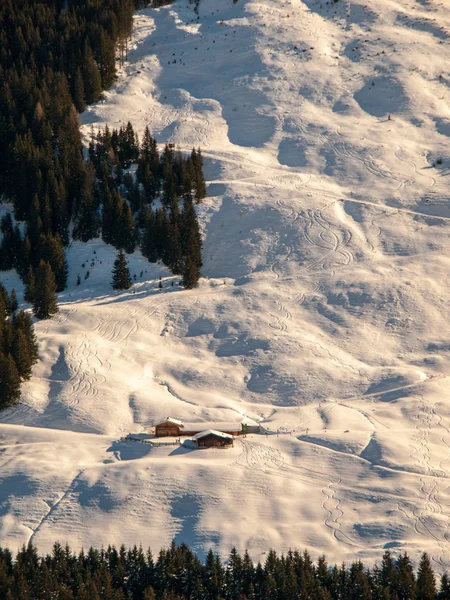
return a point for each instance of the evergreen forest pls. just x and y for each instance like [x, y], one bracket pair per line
[56, 57]
[177, 574]
[18, 348]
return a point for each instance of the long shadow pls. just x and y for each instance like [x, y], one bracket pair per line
[192, 60]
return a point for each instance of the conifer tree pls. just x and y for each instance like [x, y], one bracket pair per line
[30, 283]
[14, 304]
[22, 321]
[44, 301]
[9, 381]
[199, 180]
[21, 355]
[191, 245]
[51, 250]
[24, 258]
[191, 273]
[87, 220]
[121, 275]
[127, 233]
[78, 91]
[5, 300]
[91, 77]
[149, 244]
[405, 585]
[426, 582]
[444, 589]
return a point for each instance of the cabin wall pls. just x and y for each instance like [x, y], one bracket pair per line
[167, 431]
[212, 441]
[218, 429]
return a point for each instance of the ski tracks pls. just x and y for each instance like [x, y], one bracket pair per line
[280, 318]
[257, 456]
[52, 507]
[61, 318]
[84, 363]
[429, 518]
[373, 165]
[331, 241]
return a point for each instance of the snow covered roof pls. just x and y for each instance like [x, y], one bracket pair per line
[170, 420]
[216, 426]
[213, 432]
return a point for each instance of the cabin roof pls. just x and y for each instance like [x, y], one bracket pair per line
[215, 426]
[220, 434]
[170, 420]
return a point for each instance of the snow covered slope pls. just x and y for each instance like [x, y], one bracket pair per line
[322, 312]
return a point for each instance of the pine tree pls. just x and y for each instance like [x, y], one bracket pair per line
[21, 355]
[444, 590]
[78, 92]
[30, 284]
[191, 273]
[199, 180]
[191, 245]
[87, 221]
[127, 229]
[9, 381]
[426, 582]
[51, 250]
[44, 303]
[5, 302]
[91, 77]
[406, 582]
[22, 321]
[14, 304]
[121, 274]
[24, 258]
[149, 246]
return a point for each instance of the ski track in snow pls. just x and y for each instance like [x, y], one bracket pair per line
[325, 234]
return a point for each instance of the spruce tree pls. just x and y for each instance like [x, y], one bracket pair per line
[78, 92]
[51, 250]
[91, 77]
[21, 355]
[87, 221]
[22, 321]
[444, 589]
[121, 274]
[30, 283]
[44, 303]
[426, 582]
[149, 245]
[14, 304]
[191, 244]
[191, 273]
[9, 381]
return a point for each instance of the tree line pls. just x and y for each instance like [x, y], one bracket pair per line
[121, 205]
[177, 574]
[57, 56]
[18, 348]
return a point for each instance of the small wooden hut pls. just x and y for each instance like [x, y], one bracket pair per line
[169, 427]
[213, 439]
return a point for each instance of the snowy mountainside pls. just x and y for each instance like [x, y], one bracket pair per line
[324, 131]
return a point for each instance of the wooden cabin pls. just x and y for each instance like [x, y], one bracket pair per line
[230, 428]
[174, 427]
[169, 427]
[213, 439]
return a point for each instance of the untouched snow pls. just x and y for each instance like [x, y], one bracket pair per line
[322, 312]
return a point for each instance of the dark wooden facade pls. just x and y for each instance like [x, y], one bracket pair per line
[168, 429]
[214, 441]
